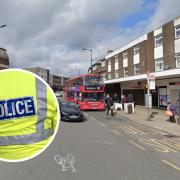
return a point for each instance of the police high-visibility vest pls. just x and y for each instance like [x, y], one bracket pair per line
[28, 114]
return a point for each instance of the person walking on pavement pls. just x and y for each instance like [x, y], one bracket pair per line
[109, 105]
[172, 107]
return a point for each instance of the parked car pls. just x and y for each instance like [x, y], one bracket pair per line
[70, 112]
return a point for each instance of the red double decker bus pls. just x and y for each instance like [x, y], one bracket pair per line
[87, 91]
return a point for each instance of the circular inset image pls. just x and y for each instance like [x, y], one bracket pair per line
[29, 115]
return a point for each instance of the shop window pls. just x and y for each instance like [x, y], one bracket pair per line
[116, 74]
[158, 40]
[136, 50]
[177, 31]
[163, 98]
[137, 69]
[177, 57]
[159, 64]
[125, 72]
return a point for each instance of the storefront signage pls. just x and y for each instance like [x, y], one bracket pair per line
[174, 83]
[98, 88]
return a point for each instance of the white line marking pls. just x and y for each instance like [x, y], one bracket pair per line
[170, 164]
[115, 131]
[93, 119]
[102, 124]
[137, 145]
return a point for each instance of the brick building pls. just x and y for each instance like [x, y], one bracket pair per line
[99, 68]
[157, 51]
[4, 59]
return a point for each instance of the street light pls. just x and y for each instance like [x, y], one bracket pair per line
[2, 26]
[90, 50]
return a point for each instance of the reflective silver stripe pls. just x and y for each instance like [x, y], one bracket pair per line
[41, 97]
[26, 139]
[41, 133]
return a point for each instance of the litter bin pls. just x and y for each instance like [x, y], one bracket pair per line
[130, 108]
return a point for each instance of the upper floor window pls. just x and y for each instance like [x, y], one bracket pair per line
[177, 57]
[177, 31]
[103, 63]
[159, 64]
[116, 62]
[158, 40]
[109, 75]
[136, 50]
[125, 54]
[116, 59]
[125, 72]
[137, 69]
[116, 74]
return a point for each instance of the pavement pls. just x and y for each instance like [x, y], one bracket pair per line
[158, 121]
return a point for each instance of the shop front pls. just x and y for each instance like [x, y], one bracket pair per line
[137, 89]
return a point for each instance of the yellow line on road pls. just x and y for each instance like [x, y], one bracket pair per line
[102, 124]
[137, 145]
[114, 131]
[170, 164]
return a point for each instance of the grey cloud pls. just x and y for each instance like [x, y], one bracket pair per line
[51, 33]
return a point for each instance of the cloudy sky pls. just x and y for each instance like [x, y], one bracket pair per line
[52, 33]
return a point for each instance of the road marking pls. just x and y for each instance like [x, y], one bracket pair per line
[86, 114]
[137, 145]
[158, 146]
[170, 164]
[93, 119]
[137, 130]
[115, 131]
[102, 124]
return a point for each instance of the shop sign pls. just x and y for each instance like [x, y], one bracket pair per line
[174, 83]
[97, 88]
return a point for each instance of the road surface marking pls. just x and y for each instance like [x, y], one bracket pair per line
[86, 114]
[93, 119]
[137, 145]
[102, 124]
[158, 146]
[170, 164]
[115, 131]
[137, 130]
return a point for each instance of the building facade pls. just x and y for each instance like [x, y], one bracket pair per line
[59, 83]
[4, 59]
[43, 73]
[157, 52]
[99, 68]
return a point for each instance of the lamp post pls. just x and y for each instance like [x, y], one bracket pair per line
[90, 50]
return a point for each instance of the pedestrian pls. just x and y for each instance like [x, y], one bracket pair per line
[115, 97]
[171, 111]
[130, 98]
[109, 105]
[123, 100]
[29, 114]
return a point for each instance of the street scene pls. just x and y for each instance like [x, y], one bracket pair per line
[90, 90]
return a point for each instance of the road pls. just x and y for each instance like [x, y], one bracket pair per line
[102, 148]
